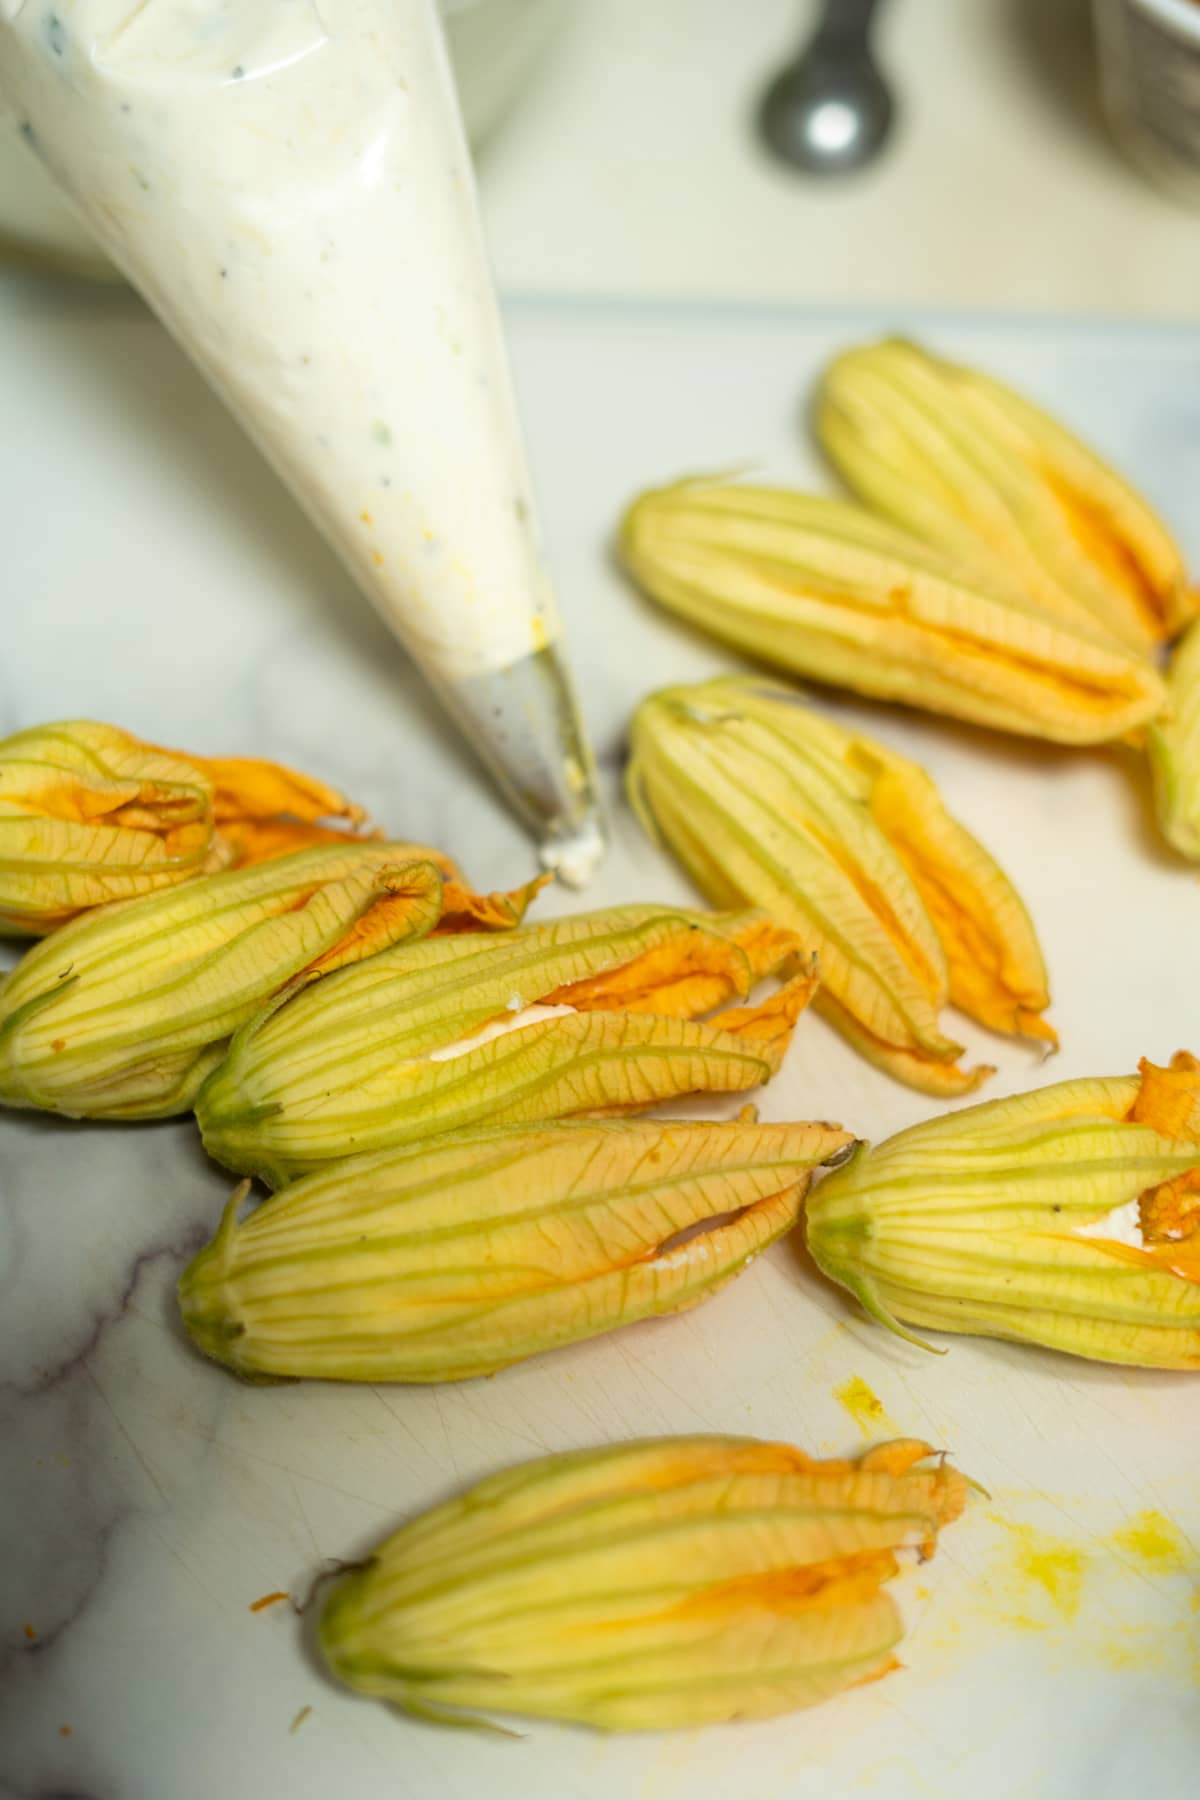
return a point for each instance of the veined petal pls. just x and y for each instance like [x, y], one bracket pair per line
[770, 1023]
[249, 840]
[1065, 1217]
[1173, 743]
[465, 910]
[458, 1255]
[683, 978]
[89, 814]
[824, 589]
[1126, 547]
[407, 905]
[462, 908]
[923, 1067]
[123, 1012]
[977, 470]
[764, 801]
[587, 1064]
[647, 1585]
[246, 789]
[997, 974]
[466, 1028]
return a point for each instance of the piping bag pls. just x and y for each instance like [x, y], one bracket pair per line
[288, 185]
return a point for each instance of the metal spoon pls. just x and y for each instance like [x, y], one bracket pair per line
[830, 110]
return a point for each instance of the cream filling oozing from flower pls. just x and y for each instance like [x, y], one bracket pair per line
[1123, 1225]
[498, 1028]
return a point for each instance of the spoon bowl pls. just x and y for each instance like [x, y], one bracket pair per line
[830, 110]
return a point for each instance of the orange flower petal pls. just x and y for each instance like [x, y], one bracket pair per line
[995, 968]
[1182, 1260]
[691, 974]
[1169, 1099]
[1170, 1212]
[1169, 1215]
[247, 788]
[79, 803]
[465, 910]
[940, 1076]
[262, 840]
[771, 1023]
[842, 1581]
[409, 909]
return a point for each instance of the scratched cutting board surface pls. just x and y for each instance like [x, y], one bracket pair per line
[154, 573]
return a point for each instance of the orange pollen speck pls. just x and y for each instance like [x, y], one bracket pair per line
[266, 1600]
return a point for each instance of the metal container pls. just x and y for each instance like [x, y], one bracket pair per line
[1150, 80]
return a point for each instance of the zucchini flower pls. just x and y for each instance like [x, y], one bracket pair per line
[458, 1255]
[89, 814]
[1068, 1217]
[766, 803]
[586, 1015]
[825, 589]
[1174, 745]
[669, 1582]
[462, 908]
[974, 468]
[125, 1011]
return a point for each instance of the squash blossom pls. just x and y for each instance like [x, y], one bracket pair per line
[599, 1013]
[124, 1012]
[823, 588]
[1173, 742]
[458, 1255]
[463, 909]
[1068, 1217]
[765, 802]
[89, 814]
[974, 468]
[669, 1582]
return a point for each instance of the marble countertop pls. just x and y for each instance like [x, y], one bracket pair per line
[156, 574]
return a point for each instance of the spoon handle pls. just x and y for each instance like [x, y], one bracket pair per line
[845, 22]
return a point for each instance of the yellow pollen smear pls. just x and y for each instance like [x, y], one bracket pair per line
[1055, 1567]
[863, 1405]
[1153, 1539]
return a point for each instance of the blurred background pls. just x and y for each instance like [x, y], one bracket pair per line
[1043, 155]
[631, 165]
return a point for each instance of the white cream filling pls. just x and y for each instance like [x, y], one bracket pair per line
[1123, 1225]
[288, 184]
[498, 1028]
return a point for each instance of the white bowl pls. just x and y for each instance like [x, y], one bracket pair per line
[494, 45]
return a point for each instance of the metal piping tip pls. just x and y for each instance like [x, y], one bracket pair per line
[524, 724]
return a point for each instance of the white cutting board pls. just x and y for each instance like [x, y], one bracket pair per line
[154, 573]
